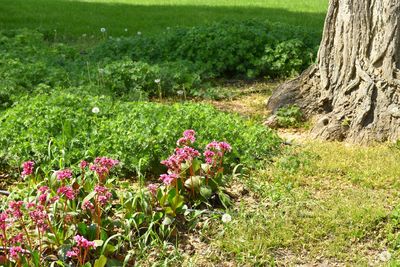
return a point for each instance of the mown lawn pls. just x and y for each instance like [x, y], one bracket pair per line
[66, 19]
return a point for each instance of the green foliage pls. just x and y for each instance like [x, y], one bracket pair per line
[185, 60]
[290, 116]
[62, 124]
[88, 216]
[223, 49]
[286, 59]
[138, 80]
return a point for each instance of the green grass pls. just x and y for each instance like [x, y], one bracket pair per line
[321, 203]
[71, 19]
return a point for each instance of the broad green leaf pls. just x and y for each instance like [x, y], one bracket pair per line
[101, 261]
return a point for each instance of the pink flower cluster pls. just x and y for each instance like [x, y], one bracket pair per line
[106, 162]
[15, 251]
[102, 166]
[73, 253]
[215, 151]
[64, 174]
[174, 163]
[103, 195]
[181, 155]
[187, 139]
[81, 243]
[18, 238]
[168, 179]
[3, 221]
[152, 188]
[39, 217]
[14, 208]
[219, 146]
[83, 164]
[87, 205]
[27, 168]
[66, 191]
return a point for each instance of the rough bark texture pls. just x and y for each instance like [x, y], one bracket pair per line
[354, 89]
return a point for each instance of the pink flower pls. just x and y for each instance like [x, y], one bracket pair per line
[3, 221]
[102, 194]
[225, 147]
[43, 189]
[67, 191]
[187, 153]
[14, 208]
[213, 145]
[102, 166]
[43, 198]
[18, 238]
[181, 155]
[64, 174]
[30, 205]
[188, 138]
[152, 188]
[168, 179]
[182, 141]
[28, 168]
[100, 170]
[39, 217]
[14, 251]
[219, 146]
[173, 163]
[87, 205]
[73, 252]
[83, 164]
[83, 242]
[54, 199]
[106, 162]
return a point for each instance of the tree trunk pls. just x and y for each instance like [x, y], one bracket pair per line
[354, 89]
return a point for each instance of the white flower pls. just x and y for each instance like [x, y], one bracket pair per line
[157, 80]
[385, 256]
[126, 30]
[139, 33]
[103, 29]
[226, 218]
[180, 92]
[95, 110]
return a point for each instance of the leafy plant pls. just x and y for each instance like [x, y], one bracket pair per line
[289, 116]
[84, 216]
[63, 127]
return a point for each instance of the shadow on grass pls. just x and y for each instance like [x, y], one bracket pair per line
[71, 19]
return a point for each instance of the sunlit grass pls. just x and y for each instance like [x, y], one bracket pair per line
[69, 20]
[320, 203]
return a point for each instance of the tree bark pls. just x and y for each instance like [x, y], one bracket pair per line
[354, 89]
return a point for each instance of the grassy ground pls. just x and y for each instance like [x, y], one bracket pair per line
[323, 203]
[68, 19]
[319, 203]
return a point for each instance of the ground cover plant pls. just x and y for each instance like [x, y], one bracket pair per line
[87, 218]
[183, 62]
[69, 127]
